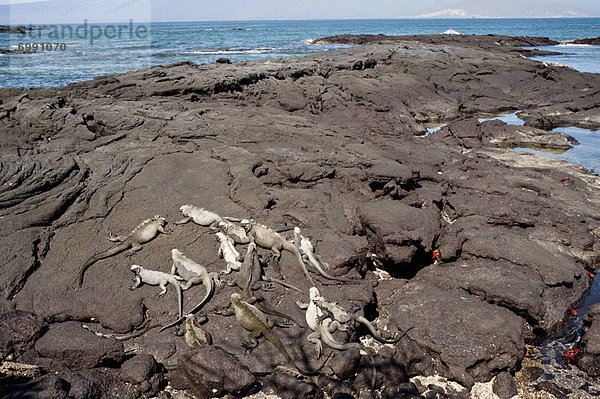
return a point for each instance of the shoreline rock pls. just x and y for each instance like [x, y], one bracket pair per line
[14, 30]
[333, 143]
[594, 41]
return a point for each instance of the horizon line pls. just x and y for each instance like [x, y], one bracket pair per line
[303, 19]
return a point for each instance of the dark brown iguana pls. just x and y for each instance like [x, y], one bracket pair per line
[132, 243]
[255, 321]
[250, 278]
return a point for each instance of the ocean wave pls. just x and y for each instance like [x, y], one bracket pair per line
[566, 44]
[451, 32]
[259, 50]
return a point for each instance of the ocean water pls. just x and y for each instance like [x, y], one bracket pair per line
[76, 52]
[81, 51]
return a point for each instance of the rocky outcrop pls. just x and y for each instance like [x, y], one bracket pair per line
[588, 40]
[589, 361]
[15, 29]
[471, 247]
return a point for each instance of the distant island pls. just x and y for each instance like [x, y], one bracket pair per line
[505, 9]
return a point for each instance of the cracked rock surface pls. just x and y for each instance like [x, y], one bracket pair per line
[334, 143]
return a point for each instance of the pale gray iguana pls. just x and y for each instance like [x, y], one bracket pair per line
[228, 252]
[154, 277]
[338, 313]
[132, 243]
[323, 328]
[193, 273]
[308, 253]
[200, 216]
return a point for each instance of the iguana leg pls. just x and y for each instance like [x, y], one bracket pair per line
[201, 317]
[133, 250]
[138, 282]
[163, 288]
[114, 238]
[252, 341]
[190, 282]
[282, 324]
[164, 231]
[315, 338]
[320, 260]
[276, 253]
[335, 325]
[355, 307]
[301, 305]
[322, 318]
[262, 285]
[220, 310]
[216, 279]
[183, 221]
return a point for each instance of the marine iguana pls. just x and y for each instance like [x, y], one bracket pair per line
[132, 243]
[338, 313]
[255, 321]
[228, 252]
[141, 330]
[154, 277]
[235, 231]
[194, 273]
[323, 329]
[250, 278]
[199, 215]
[270, 239]
[196, 336]
[308, 252]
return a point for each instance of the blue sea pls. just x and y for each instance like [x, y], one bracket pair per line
[76, 52]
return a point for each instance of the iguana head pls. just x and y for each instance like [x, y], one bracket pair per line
[235, 297]
[313, 292]
[135, 268]
[185, 209]
[175, 252]
[247, 224]
[220, 235]
[160, 219]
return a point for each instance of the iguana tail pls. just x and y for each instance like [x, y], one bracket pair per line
[323, 273]
[375, 334]
[175, 284]
[102, 255]
[294, 249]
[210, 289]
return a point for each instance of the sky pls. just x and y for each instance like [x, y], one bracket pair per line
[72, 11]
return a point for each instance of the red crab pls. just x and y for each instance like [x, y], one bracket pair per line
[591, 275]
[574, 312]
[569, 356]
